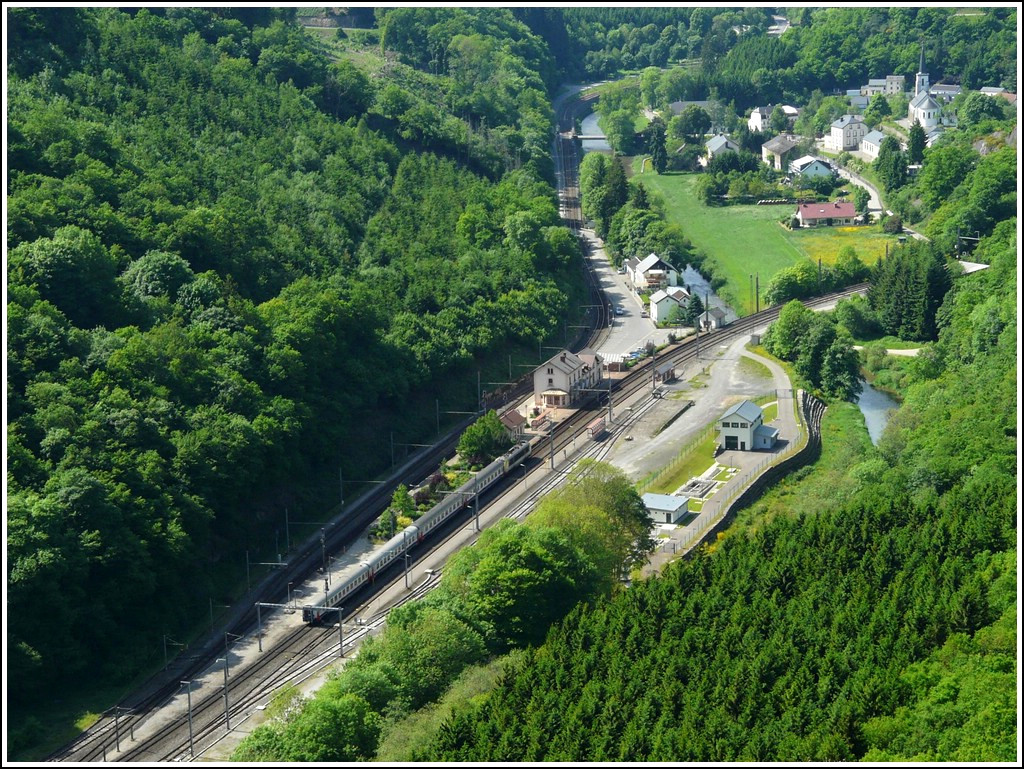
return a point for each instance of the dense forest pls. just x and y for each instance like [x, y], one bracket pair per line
[231, 260]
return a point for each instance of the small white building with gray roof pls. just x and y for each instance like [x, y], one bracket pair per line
[665, 508]
[742, 428]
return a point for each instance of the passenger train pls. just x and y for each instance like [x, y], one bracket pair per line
[430, 520]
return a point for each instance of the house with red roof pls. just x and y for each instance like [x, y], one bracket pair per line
[830, 214]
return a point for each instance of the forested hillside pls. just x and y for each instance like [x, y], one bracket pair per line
[233, 264]
[727, 54]
[859, 630]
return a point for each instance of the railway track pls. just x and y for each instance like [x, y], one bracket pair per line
[304, 650]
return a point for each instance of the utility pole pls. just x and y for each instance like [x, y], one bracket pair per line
[757, 290]
[287, 533]
[341, 487]
[191, 745]
[227, 712]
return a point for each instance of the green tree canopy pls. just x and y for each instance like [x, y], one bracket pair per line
[484, 440]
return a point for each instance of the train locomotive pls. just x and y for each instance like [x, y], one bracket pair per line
[430, 520]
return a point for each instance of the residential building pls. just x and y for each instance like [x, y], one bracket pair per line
[664, 303]
[857, 100]
[846, 133]
[777, 152]
[944, 92]
[652, 273]
[810, 167]
[742, 427]
[871, 144]
[718, 144]
[561, 380]
[833, 214]
[758, 120]
[677, 107]
[665, 508]
[888, 85]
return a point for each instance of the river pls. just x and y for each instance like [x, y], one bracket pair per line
[876, 407]
[589, 126]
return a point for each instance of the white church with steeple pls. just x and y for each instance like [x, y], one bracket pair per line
[923, 108]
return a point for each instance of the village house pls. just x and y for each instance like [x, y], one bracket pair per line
[664, 303]
[871, 144]
[778, 151]
[562, 379]
[890, 85]
[944, 92]
[810, 167]
[742, 427]
[717, 145]
[651, 273]
[857, 101]
[846, 133]
[831, 214]
[760, 117]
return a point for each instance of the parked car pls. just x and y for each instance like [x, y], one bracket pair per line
[645, 314]
[618, 311]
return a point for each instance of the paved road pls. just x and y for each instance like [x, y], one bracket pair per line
[629, 330]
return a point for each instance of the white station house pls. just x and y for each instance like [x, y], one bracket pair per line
[742, 427]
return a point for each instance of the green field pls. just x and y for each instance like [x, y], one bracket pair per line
[744, 240]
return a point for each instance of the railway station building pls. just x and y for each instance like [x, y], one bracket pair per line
[560, 381]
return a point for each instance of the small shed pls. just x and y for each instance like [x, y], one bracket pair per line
[666, 372]
[665, 508]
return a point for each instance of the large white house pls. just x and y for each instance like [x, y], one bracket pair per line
[651, 272]
[562, 379]
[846, 133]
[742, 428]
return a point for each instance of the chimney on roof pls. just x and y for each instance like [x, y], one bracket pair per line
[563, 357]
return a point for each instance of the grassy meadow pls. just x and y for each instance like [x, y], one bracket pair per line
[742, 240]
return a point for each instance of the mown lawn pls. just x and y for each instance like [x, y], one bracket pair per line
[740, 240]
[746, 240]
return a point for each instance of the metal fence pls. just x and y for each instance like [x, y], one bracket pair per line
[718, 506]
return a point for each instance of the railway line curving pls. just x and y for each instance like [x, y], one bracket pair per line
[306, 649]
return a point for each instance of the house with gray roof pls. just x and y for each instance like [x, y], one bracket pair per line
[665, 508]
[778, 152]
[742, 428]
[846, 133]
[871, 144]
[810, 167]
[718, 144]
[562, 379]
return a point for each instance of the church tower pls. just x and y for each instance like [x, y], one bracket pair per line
[921, 82]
